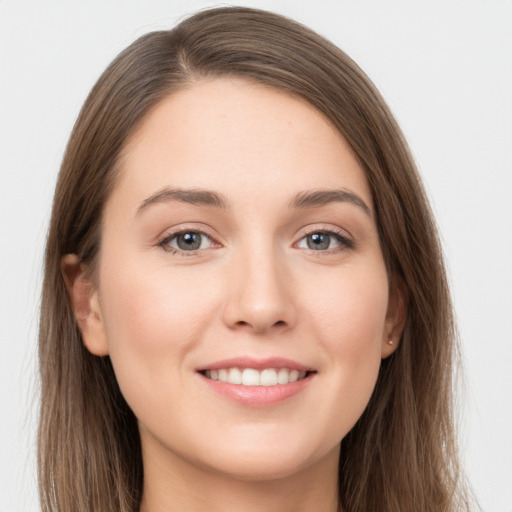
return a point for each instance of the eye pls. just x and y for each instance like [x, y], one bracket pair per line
[186, 241]
[324, 241]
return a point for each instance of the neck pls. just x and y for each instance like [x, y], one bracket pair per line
[174, 484]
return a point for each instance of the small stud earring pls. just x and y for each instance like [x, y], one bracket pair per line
[390, 342]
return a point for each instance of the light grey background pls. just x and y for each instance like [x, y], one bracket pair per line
[445, 67]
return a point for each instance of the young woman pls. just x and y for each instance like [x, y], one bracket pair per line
[244, 305]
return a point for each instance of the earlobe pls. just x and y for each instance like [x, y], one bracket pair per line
[86, 307]
[395, 319]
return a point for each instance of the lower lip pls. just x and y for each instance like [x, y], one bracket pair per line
[258, 396]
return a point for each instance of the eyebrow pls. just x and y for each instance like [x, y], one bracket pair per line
[317, 198]
[302, 200]
[193, 196]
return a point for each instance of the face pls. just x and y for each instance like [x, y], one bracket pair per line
[242, 293]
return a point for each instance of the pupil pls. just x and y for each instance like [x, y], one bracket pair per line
[189, 241]
[318, 241]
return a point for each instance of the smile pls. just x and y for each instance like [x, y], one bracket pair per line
[256, 382]
[254, 377]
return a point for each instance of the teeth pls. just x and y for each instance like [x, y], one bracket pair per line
[268, 377]
[252, 377]
[282, 376]
[235, 376]
[294, 376]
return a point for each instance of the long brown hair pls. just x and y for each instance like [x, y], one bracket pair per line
[401, 454]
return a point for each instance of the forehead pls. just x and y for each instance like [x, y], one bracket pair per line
[238, 137]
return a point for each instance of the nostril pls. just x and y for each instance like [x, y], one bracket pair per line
[266, 327]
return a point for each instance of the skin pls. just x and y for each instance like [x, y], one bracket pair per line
[254, 288]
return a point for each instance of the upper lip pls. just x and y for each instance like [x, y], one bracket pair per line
[256, 363]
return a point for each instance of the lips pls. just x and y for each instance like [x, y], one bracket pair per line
[257, 382]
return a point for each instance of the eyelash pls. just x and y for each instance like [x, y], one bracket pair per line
[164, 242]
[339, 236]
[345, 242]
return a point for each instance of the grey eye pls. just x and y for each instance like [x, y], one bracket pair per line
[320, 241]
[189, 241]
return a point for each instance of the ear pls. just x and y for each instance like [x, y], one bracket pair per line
[396, 316]
[84, 300]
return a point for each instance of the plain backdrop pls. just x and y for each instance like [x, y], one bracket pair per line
[445, 68]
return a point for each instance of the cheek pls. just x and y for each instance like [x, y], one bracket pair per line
[349, 317]
[149, 303]
[153, 319]
[350, 309]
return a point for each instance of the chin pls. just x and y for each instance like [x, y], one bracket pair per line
[260, 469]
[272, 460]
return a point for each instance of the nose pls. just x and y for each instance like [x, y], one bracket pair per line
[260, 297]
